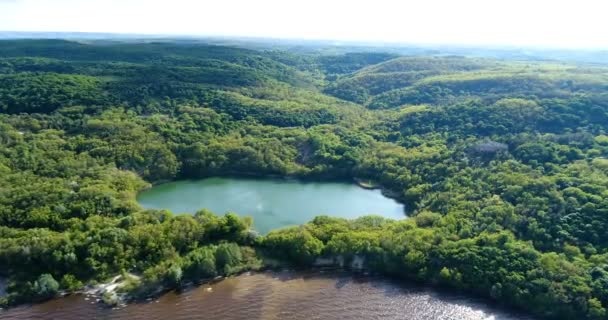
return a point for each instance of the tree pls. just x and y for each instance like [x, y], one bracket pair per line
[228, 258]
[201, 263]
[45, 286]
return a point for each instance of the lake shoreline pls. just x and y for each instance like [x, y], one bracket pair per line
[367, 184]
[272, 203]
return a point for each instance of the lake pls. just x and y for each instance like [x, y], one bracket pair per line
[273, 203]
[282, 295]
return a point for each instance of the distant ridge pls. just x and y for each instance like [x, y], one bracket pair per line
[592, 56]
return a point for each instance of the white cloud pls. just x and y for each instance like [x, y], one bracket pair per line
[558, 23]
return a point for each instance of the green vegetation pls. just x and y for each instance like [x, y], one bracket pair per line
[501, 163]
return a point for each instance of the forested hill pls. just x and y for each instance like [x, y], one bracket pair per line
[502, 165]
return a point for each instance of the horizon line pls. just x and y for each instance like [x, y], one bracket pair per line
[331, 41]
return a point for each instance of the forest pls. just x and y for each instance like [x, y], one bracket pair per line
[502, 164]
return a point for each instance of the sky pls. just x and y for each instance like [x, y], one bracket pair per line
[537, 23]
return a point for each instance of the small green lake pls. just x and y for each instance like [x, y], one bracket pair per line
[271, 203]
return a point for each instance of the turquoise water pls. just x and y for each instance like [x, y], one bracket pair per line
[271, 203]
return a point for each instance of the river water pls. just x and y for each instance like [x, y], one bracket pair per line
[282, 295]
[273, 203]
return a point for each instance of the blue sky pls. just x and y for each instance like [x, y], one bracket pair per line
[556, 23]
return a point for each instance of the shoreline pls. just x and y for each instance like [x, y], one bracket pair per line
[367, 184]
[326, 271]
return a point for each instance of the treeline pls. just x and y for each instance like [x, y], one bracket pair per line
[167, 250]
[495, 264]
[503, 167]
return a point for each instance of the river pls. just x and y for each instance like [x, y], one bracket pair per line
[282, 295]
[273, 203]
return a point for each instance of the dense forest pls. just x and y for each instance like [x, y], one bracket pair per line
[501, 163]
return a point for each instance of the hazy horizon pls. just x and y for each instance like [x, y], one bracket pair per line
[545, 24]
